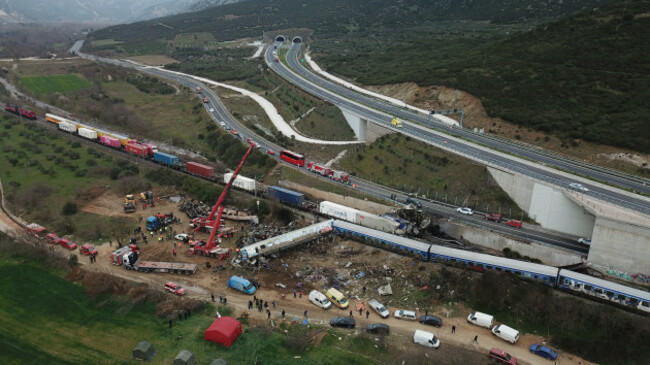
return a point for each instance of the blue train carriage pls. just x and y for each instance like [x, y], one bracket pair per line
[605, 290]
[429, 252]
[166, 159]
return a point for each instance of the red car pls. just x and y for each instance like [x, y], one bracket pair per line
[174, 288]
[494, 217]
[67, 244]
[514, 223]
[52, 238]
[270, 152]
[502, 357]
[88, 249]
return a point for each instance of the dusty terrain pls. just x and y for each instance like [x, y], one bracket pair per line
[301, 270]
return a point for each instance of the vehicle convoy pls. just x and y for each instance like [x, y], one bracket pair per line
[131, 261]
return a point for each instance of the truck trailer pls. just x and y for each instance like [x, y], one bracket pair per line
[131, 261]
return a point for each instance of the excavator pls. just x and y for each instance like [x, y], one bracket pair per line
[147, 197]
[210, 247]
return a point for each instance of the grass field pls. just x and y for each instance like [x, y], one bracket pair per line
[412, 166]
[105, 42]
[54, 83]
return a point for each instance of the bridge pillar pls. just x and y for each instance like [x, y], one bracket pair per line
[363, 129]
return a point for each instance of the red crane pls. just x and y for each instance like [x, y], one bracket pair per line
[209, 248]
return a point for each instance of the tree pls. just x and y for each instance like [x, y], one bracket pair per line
[70, 208]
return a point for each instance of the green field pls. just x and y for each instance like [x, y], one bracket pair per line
[54, 83]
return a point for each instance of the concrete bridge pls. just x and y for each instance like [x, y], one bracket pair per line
[619, 237]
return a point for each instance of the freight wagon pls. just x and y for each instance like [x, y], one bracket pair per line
[166, 159]
[240, 182]
[337, 211]
[286, 196]
[110, 141]
[137, 149]
[67, 126]
[199, 169]
[87, 133]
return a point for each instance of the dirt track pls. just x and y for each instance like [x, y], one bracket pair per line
[206, 282]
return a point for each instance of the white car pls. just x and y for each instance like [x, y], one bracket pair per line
[211, 110]
[379, 308]
[584, 241]
[579, 187]
[407, 315]
[182, 237]
[465, 210]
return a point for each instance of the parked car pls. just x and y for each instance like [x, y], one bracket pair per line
[495, 217]
[465, 210]
[67, 244]
[378, 329]
[408, 315]
[514, 223]
[52, 238]
[379, 308]
[579, 187]
[414, 202]
[543, 351]
[584, 241]
[183, 237]
[431, 320]
[88, 249]
[345, 322]
[174, 288]
[502, 357]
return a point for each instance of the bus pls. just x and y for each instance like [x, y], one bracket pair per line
[292, 158]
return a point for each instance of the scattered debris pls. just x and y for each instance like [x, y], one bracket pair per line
[385, 290]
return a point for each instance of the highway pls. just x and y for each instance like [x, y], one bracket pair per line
[488, 149]
[221, 114]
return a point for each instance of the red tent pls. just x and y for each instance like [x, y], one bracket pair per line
[224, 330]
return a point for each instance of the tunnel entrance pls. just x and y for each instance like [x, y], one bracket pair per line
[280, 38]
[297, 40]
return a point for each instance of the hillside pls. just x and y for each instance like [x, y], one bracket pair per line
[582, 78]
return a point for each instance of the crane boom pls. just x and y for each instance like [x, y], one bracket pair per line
[222, 197]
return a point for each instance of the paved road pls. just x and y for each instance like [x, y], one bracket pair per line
[221, 114]
[466, 143]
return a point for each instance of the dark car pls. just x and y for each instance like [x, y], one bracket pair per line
[378, 328]
[431, 320]
[543, 351]
[345, 322]
[414, 202]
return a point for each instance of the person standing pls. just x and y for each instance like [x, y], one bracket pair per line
[360, 312]
[283, 313]
[350, 314]
[476, 339]
[305, 314]
[268, 314]
[212, 295]
[367, 314]
[453, 329]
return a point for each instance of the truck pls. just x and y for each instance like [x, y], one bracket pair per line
[339, 176]
[199, 247]
[166, 159]
[117, 256]
[131, 261]
[199, 169]
[36, 230]
[319, 169]
[240, 182]
[152, 223]
[286, 196]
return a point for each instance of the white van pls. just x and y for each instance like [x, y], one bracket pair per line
[427, 339]
[506, 333]
[319, 299]
[480, 319]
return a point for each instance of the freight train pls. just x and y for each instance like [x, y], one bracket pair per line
[20, 111]
[567, 280]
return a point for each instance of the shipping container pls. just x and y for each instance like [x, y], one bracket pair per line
[67, 126]
[240, 182]
[286, 195]
[376, 222]
[87, 133]
[201, 170]
[137, 149]
[53, 118]
[338, 211]
[166, 159]
[110, 141]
